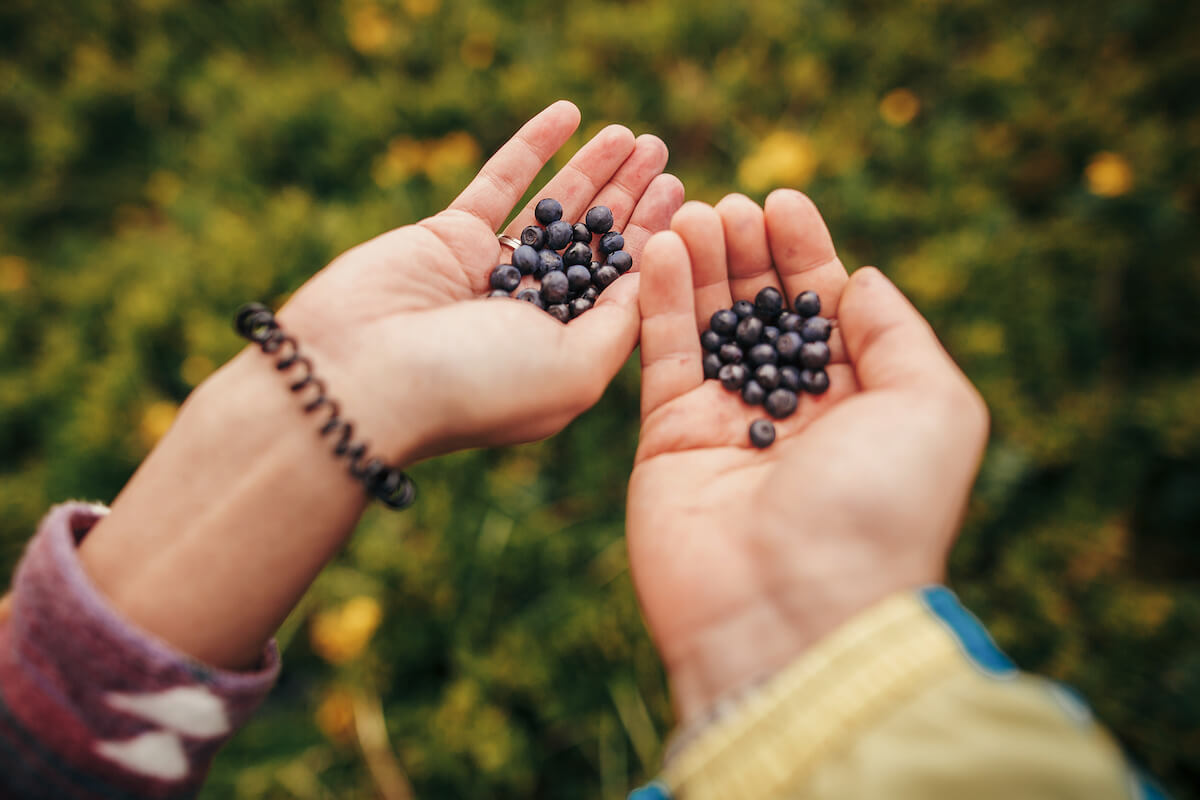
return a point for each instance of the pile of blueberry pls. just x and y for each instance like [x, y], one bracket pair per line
[769, 354]
[559, 255]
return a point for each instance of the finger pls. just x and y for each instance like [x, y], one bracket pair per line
[802, 249]
[888, 341]
[507, 174]
[598, 343]
[700, 227]
[622, 193]
[653, 213]
[746, 249]
[670, 349]
[582, 177]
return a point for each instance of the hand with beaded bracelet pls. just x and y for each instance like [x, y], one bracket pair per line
[399, 336]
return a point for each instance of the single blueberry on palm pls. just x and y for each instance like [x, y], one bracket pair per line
[748, 332]
[558, 235]
[753, 393]
[789, 378]
[768, 303]
[788, 346]
[555, 288]
[781, 403]
[525, 258]
[723, 322]
[743, 308]
[534, 236]
[559, 311]
[580, 233]
[762, 354]
[816, 329]
[762, 433]
[605, 276]
[767, 376]
[611, 242]
[807, 304]
[711, 341]
[621, 260]
[506, 277]
[577, 253]
[531, 296]
[814, 355]
[789, 322]
[730, 353]
[578, 278]
[548, 210]
[732, 376]
[814, 381]
[712, 365]
[548, 261]
[599, 219]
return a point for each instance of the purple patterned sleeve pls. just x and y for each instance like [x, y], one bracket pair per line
[91, 707]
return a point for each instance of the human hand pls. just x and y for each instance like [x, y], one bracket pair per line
[742, 558]
[421, 363]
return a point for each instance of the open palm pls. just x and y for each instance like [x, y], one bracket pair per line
[743, 557]
[401, 315]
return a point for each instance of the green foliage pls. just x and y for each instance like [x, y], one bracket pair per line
[1027, 172]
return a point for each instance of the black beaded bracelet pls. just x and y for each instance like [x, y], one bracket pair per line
[393, 488]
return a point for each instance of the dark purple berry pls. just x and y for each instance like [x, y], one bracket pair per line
[762, 354]
[723, 322]
[611, 242]
[814, 355]
[548, 261]
[767, 376]
[748, 332]
[577, 253]
[768, 303]
[559, 311]
[590, 293]
[712, 365]
[534, 236]
[531, 296]
[579, 305]
[605, 276]
[770, 334]
[732, 376]
[743, 308]
[621, 260]
[814, 381]
[558, 235]
[599, 219]
[788, 345]
[712, 341]
[580, 233]
[499, 293]
[789, 322]
[753, 393]
[789, 378]
[506, 277]
[781, 403]
[762, 433]
[578, 278]
[547, 210]
[807, 304]
[816, 329]
[730, 353]
[525, 258]
[555, 288]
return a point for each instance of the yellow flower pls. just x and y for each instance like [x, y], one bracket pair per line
[404, 158]
[14, 273]
[1109, 175]
[450, 155]
[156, 420]
[899, 107]
[478, 49]
[421, 8]
[783, 158]
[339, 634]
[369, 29]
[335, 715]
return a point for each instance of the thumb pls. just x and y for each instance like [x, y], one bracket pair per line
[889, 343]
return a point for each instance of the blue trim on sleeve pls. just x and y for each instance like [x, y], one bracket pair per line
[972, 637]
[651, 791]
[1146, 788]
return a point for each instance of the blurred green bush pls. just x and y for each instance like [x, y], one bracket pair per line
[1028, 172]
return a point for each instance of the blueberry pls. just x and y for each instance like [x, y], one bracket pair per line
[762, 354]
[712, 365]
[814, 381]
[767, 376]
[555, 288]
[814, 355]
[499, 293]
[547, 210]
[579, 305]
[732, 376]
[816, 329]
[748, 332]
[621, 260]
[605, 276]
[599, 219]
[723, 322]
[534, 236]
[531, 296]
[789, 322]
[611, 242]
[789, 378]
[770, 334]
[506, 277]
[525, 258]
[762, 433]
[590, 293]
[548, 261]
[577, 253]
[578, 278]
[580, 233]
[781, 403]
[753, 393]
[559, 311]
[712, 341]
[558, 235]
[743, 308]
[730, 353]
[788, 345]
[768, 303]
[807, 304]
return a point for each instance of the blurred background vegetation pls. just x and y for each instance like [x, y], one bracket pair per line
[1027, 171]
